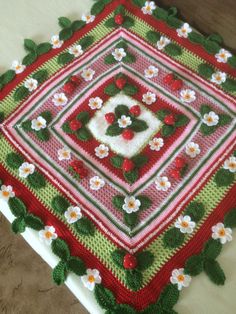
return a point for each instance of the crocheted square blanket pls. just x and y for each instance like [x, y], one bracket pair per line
[117, 148]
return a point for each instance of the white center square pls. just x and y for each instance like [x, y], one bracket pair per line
[126, 148]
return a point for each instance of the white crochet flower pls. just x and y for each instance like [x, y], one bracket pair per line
[223, 55]
[95, 103]
[17, 66]
[184, 30]
[31, 84]
[218, 77]
[47, 235]
[26, 169]
[187, 95]
[38, 123]
[192, 149]
[96, 183]
[230, 164]
[119, 54]
[124, 121]
[151, 72]
[102, 151]
[185, 224]
[73, 214]
[149, 98]
[91, 278]
[56, 42]
[162, 42]
[6, 192]
[131, 204]
[148, 7]
[87, 74]
[76, 51]
[162, 184]
[60, 99]
[156, 144]
[88, 18]
[220, 232]
[180, 278]
[64, 154]
[210, 118]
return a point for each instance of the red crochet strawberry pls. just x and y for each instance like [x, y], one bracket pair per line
[169, 78]
[110, 117]
[75, 80]
[128, 165]
[176, 174]
[69, 88]
[128, 134]
[75, 125]
[169, 119]
[121, 82]
[119, 19]
[130, 261]
[176, 85]
[82, 172]
[77, 164]
[135, 110]
[180, 162]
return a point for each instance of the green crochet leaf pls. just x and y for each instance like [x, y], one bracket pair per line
[43, 48]
[61, 249]
[86, 42]
[207, 130]
[111, 90]
[169, 297]
[47, 115]
[76, 265]
[167, 130]
[85, 227]
[117, 161]
[229, 85]
[17, 207]
[122, 308]
[77, 25]
[232, 61]
[173, 238]
[139, 3]
[212, 249]
[206, 70]
[224, 119]
[36, 180]
[66, 128]
[160, 14]
[196, 38]
[128, 22]
[43, 135]
[214, 272]
[205, 109]
[131, 220]
[195, 210]
[110, 22]
[26, 126]
[181, 120]
[230, 219]
[20, 93]
[161, 114]
[121, 110]
[140, 160]
[14, 160]
[104, 297]
[194, 265]
[8, 76]
[65, 58]
[173, 50]
[118, 257]
[129, 58]
[109, 59]
[153, 37]
[30, 45]
[130, 89]
[60, 204]
[139, 126]
[30, 58]
[64, 22]
[145, 260]
[134, 279]
[114, 130]
[34, 222]
[118, 202]
[18, 225]
[131, 176]
[59, 273]
[145, 202]
[83, 134]
[224, 177]
[84, 117]
[2, 116]
[211, 47]
[97, 7]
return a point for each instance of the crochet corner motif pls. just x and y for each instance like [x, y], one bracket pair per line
[117, 147]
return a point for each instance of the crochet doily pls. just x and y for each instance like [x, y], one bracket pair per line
[117, 147]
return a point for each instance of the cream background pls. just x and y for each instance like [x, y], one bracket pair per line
[21, 19]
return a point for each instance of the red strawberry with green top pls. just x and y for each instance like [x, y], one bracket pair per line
[135, 110]
[130, 261]
[77, 164]
[110, 117]
[128, 165]
[75, 80]
[176, 174]
[121, 82]
[75, 125]
[169, 119]
[82, 172]
[169, 78]
[68, 88]
[177, 85]
[180, 162]
[128, 134]
[119, 19]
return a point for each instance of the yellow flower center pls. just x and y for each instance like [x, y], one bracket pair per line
[209, 119]
[18, 67]
[91, 279]
[184, 224]
[162, 183]
[56, 42]
[131, 204]
[48, 234]
[191, 149]
[65, 154]
[26, 170]
[222, 232]
[187, 96]
[232, 165]
[222, 55]
[39, 124]
[180, 278]
[148, 8]
[5, 193]
[73, 215]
